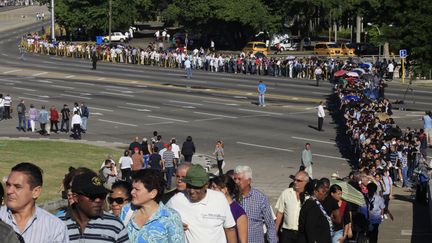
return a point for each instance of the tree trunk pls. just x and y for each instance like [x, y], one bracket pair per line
[386, 50]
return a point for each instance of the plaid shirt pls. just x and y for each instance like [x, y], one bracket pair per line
[258, 211]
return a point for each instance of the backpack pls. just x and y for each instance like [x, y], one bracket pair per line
[19, 109]
[101, 175]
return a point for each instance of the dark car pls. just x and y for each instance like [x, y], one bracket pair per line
[365, 49]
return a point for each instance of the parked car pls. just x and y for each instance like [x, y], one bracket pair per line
[348, 49]
[365, 49]
[287, 44]
[255, 46]
[115, 36]
[328, 48]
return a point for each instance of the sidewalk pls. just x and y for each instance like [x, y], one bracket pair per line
[21, 17]
[412, 221]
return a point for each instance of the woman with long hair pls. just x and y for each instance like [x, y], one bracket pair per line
[342, 231]
[229, 188]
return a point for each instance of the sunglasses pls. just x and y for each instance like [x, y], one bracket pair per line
[118, 200]
[93, 197]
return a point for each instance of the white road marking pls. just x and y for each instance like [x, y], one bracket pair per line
[6, 55]
[240, 97]
[96, 113]
[167, 118]
[115, 87]
[157, 123]
[13, 71]
[208, 119]
[180, 106]
[232, 104]
[85, 83]
[27, 98]
[119, 123]
[101, 79]
[327, 156]
[219, 103]
[313, 140]
[70, 76]
[76, 96]
[122, 91]
[217, 115]
[263, 146]
[183, 102]
[134, 109]
[101, 109]
[31, 90]
[36, 95]
[264, 112]
[62, 86]
[149, 106]
[43, 81]
[39, 74]
[116, 94]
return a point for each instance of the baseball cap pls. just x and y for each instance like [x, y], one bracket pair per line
[87, 184]
[196, 176]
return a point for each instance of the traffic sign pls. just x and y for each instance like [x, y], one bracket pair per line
[403, 53]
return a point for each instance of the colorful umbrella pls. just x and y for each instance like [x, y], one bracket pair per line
[353, 74]
[340, 73]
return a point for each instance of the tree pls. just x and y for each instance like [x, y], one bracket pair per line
[232, 22]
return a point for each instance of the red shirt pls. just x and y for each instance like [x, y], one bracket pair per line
[54, 115]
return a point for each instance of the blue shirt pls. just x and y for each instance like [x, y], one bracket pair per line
[41, 227]
[427, 122]
[261, 88]
[258, 211]
[164, 225]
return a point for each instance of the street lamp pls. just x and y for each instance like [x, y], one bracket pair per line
[379, 34]
[52, 21]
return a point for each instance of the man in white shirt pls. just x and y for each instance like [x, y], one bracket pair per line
[390, 70]
[318, 74]
[188, 67]
[288, 209]
[321, 115]
[205, 213]
[76, 125]
[176, 150]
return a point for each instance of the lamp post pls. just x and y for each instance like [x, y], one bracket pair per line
[379, 34]
[109, 21]
[52, 21]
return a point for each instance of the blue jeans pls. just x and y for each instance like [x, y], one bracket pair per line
[405, 176]
[261, 99]
[189, 72]
[336, 235]
[169, 171]
[22, 120]
[84, 123]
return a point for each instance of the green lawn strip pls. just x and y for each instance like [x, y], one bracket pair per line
[54, 158]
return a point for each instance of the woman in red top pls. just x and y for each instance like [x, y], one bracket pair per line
[54, 117]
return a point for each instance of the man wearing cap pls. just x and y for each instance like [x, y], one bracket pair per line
[205, 213]
[23, 188]
[85, 219]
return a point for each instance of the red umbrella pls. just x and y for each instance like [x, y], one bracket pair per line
[340, 73]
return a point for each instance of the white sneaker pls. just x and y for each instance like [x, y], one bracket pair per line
[385, 216]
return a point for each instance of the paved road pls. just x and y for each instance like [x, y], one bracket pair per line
[126, 101]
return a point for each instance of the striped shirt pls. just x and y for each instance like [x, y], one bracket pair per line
[106, 228]
[42, 227]
[258, 211]
[168, 157]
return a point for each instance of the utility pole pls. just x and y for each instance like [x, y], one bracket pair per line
[52, 21]
[358, 29]
[110, 19]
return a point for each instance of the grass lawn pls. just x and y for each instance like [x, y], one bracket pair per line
[54, 158]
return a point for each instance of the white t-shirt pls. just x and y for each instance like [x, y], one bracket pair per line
[125, 162]
[176, 150]
[206, 219]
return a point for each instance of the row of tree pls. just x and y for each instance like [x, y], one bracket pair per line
[405, 24]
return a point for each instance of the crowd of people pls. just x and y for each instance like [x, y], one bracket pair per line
[156, 54]
[74, 120]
